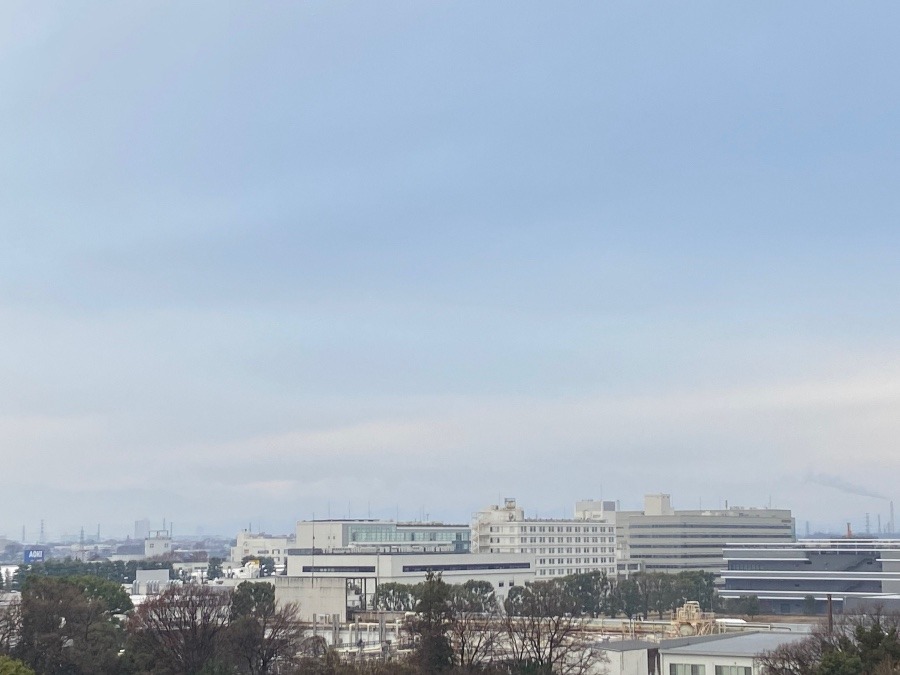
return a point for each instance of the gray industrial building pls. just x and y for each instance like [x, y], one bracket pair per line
[663, 539]
[789, 577]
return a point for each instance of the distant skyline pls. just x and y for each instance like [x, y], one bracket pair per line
[262, 258]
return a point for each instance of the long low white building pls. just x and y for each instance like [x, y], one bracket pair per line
[367, 570]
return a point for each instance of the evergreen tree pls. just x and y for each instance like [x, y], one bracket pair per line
[431, 624]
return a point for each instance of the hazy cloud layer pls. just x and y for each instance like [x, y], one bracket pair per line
[260, 262]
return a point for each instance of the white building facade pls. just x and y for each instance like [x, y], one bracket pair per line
[367, 570]
[381, 535]
[261, 545]
[559, 547]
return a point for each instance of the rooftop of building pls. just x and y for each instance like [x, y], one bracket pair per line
[670, 643]
[743, 644]
[835, 544]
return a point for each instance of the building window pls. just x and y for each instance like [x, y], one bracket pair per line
[734, 670]
[687, 669]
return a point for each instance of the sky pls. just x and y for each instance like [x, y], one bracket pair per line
[262, 262]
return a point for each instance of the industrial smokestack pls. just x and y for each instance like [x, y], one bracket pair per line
[849, 531]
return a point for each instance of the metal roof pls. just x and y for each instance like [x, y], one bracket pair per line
[746, 644]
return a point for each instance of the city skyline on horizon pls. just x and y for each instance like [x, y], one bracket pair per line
[274, 526]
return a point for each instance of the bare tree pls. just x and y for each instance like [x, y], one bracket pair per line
[543, 634]
[475, 625]
[180, 628]
[793, 658]
[261, 633]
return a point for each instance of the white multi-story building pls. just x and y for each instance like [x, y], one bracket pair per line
[586, 543]
[260, 545]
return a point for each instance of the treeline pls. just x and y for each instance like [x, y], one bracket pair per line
[119, 571]
[85, 625]
[593, 594]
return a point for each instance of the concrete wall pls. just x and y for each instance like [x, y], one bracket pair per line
[321, 534]
[315, 596]
[632, 662]
[411, 568]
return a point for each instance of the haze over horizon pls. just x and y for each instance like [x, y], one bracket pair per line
[264, 260]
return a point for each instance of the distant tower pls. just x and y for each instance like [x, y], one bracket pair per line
[868, 525]
[807, 529]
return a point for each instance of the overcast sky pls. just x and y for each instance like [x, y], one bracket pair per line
[270, 259]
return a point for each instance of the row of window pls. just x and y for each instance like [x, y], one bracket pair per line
[587, 540]
[700, 669]
[730, 526]
[464, 567]
[561, 549]
[564, 571]
[679, 556]
[578, 561]
[381, 533]
[741, 536]
[553, 540]
[711, 545]
[550, 528]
